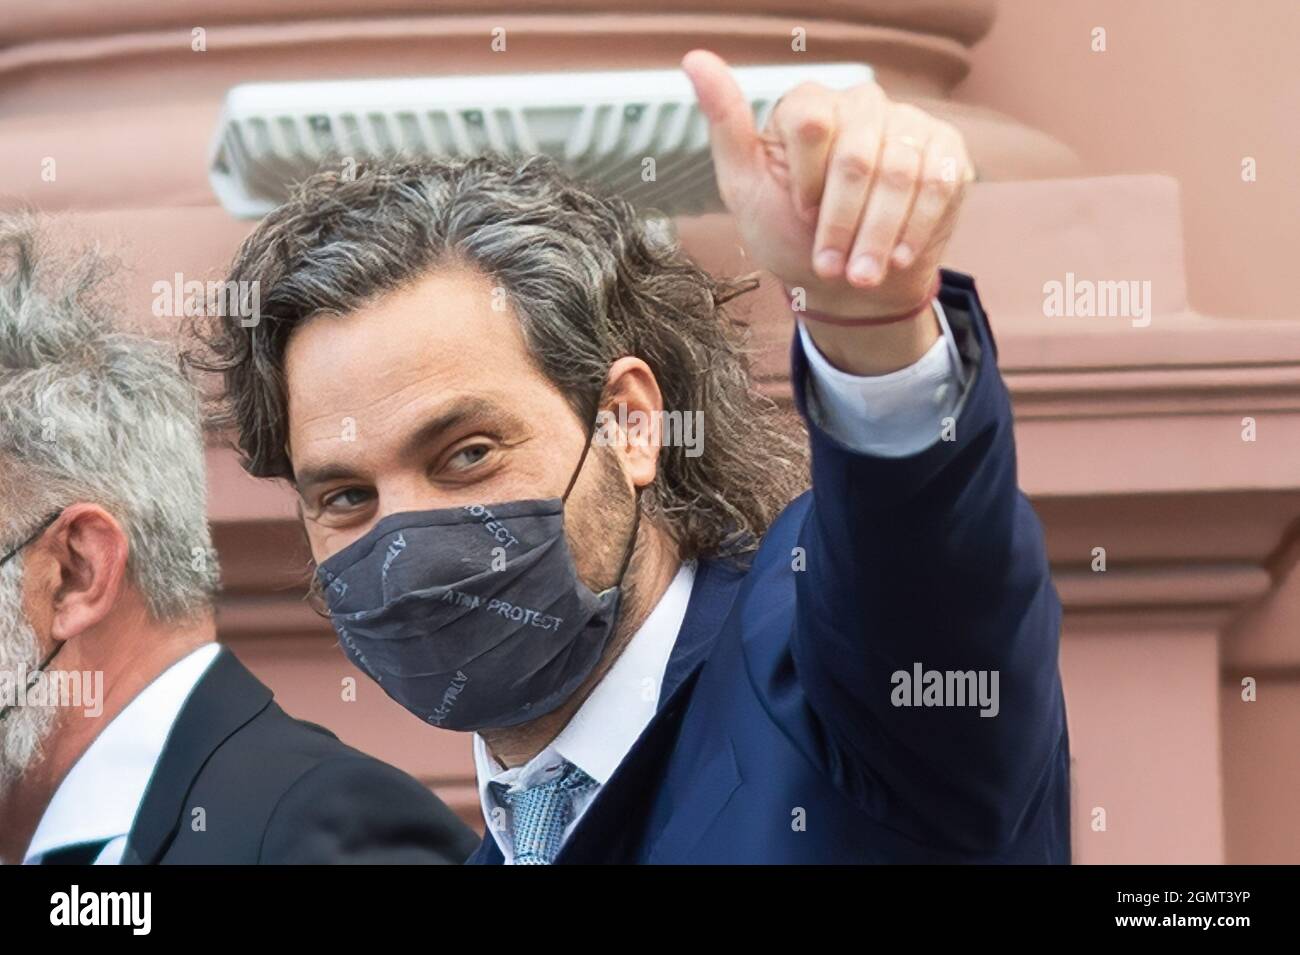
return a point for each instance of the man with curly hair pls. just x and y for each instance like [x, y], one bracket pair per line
[671, 651]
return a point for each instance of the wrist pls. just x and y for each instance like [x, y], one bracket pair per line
[854, 310]
[869, 353]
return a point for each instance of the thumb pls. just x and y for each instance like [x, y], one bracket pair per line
[732, 136]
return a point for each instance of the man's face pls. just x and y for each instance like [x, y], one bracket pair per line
[428, 398]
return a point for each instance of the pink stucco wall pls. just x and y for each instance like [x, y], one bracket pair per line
[1116, 165]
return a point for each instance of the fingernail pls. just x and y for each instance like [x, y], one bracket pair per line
[864, 268]
[902, 256]
[828, 262]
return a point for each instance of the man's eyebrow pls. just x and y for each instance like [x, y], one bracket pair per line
[460, 412]
[328, 472]
[468, 410]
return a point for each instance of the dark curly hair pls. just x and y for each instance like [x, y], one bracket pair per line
[590, 279]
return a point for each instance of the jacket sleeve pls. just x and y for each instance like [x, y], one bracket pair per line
[354, 809]
[933, 563]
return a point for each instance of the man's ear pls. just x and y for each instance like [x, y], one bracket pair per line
[81, 563]
[631, 418]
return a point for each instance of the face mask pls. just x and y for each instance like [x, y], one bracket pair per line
[472, 617]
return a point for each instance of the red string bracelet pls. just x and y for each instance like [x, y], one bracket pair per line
[865, 322]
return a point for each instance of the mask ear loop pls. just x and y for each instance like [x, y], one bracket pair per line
[591, 434]
[636, 498]
[49, 657]
[31, 680]
[631, 544]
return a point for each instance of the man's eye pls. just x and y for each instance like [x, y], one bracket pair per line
[468, 457]
[345, 499]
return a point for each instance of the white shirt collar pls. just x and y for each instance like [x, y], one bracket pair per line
[99, 797]
[609, 721]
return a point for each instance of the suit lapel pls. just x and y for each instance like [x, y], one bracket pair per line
[611, 828]
[714, 591]
[488, 853]
[226, 698]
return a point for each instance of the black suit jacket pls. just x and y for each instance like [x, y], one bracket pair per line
[241, 782]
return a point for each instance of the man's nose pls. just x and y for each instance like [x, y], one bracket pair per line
[408, 494]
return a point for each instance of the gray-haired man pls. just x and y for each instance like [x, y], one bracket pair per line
[119, 714]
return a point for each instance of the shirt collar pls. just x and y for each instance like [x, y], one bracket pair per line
[620, 706]
[99, 796]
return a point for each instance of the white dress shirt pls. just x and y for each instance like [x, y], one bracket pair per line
[101, 794]
[606, 725]
[892, 415]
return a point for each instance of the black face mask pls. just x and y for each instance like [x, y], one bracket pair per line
[472, 617]
[40, 668]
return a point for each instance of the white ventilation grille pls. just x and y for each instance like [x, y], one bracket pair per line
[601, 126]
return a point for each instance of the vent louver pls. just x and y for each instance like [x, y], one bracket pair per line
[602, 126]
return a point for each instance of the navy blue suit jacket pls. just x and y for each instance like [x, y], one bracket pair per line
[776, 738]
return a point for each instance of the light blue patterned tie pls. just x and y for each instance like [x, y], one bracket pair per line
[540, 813]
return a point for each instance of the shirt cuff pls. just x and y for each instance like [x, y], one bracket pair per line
[894, 415]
